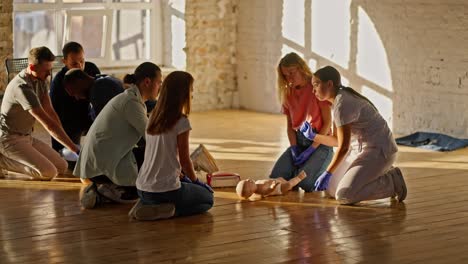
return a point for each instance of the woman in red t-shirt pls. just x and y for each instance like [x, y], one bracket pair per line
[302, 109]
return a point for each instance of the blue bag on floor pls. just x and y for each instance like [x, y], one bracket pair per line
[432, 141]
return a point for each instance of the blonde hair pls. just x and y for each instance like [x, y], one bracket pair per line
[174, 101]
[289, 60]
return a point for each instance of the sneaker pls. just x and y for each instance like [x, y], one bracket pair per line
[89, 196]
[398, 183]
[114, 193]
[203, 161]
[152, 212]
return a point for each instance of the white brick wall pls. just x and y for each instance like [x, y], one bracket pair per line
[233, 48]
[426, 43]
[426, 56]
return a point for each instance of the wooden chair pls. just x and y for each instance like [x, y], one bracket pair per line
[14, 66]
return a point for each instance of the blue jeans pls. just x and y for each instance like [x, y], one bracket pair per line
[189, 199]
[313, 167]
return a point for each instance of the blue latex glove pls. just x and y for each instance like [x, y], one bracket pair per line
[295, 152]
[185, 179]
[321, 184]
[69, 155]
[304, 156]
[202, 184]
[307, 130]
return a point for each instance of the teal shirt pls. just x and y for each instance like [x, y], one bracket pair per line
[108, 146]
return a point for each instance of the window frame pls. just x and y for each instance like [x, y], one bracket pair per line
[107, 8]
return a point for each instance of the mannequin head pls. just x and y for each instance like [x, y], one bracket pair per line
[246, 188]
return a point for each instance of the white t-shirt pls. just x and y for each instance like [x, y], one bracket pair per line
[161, 168]
[368, 128]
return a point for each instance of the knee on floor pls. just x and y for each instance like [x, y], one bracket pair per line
[345, 196]
[48, 173]
[62, 166]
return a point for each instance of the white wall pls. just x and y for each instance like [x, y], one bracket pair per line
[258, 50]
[409, 57]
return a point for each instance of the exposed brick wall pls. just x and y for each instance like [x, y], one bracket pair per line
[424, 43]
[233, 47]
[6, 37]
[211, 52]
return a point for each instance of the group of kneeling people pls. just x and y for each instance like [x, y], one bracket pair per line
[137, 151]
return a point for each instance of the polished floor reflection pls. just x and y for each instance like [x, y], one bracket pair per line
[42, 222]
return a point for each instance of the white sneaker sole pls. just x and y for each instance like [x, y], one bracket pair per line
[154, 212]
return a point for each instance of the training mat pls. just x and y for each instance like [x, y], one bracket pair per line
[432, 141]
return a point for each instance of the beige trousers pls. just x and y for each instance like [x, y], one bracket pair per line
[362, 176]
[30, 156]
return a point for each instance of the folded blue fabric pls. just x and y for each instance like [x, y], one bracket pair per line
[432, 141]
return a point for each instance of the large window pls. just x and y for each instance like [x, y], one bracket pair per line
[112, 32]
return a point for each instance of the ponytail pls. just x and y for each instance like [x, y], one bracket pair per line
[144, 70]
[129, 79]
[357, 94]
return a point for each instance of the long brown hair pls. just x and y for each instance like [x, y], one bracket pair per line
[328, 73]
[174, 101]
[289, 60]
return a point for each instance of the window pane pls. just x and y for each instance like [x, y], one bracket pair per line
[90, 31]
[34, 29]
[83, 1]
[130, 36]
[131, 1]
[32, 1]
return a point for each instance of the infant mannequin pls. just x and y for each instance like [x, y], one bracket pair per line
[254, 190]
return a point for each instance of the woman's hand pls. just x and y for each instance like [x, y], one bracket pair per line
[204, 185]
[304, 156]
[307, 130]
[321, 184]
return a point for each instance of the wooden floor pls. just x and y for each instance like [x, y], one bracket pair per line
[41, 222]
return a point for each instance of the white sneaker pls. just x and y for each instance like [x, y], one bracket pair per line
[398, 183]
[89, 196]
[152, 212]
[114, 193]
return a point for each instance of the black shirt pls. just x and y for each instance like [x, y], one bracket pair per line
[73, 114]
[104, 89]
